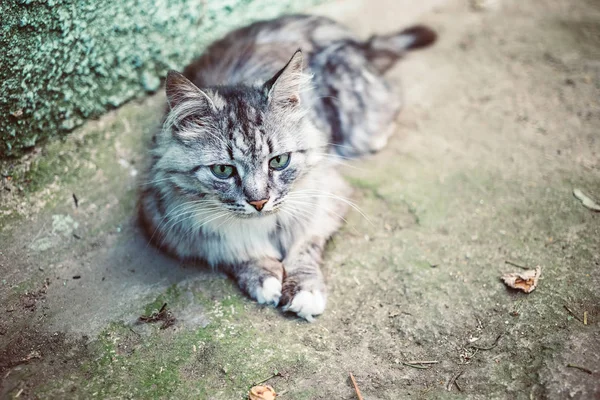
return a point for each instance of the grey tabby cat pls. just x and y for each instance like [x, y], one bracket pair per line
[243, 172]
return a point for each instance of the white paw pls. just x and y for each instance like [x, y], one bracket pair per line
[269, 292]
[307, 304]
[378, 143]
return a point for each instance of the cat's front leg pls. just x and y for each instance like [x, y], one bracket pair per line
[260, 279]
[304, 291]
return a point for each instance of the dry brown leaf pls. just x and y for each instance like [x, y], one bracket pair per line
[586, 200]
[262, 393]
[526, 281]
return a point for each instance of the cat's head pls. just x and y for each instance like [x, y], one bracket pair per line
[239, 148]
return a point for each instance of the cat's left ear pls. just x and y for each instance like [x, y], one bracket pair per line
[180, 89]
[284, 88]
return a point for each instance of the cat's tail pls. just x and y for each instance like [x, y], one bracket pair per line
[384, 50]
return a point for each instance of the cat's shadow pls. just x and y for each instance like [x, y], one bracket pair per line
[117, 281]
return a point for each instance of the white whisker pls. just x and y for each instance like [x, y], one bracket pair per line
[178, 208]
[307, 193]
[327, 209]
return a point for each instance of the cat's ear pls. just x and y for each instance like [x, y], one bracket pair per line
[180, 89]
[283, 89]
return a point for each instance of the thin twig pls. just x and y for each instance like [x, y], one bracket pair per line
[494, 344]
[131, 329]
[163, 315]
[415, 366]
[422, 362]
[468, 358]
[356, 389]
[34, 355]
[452, 380]
[38, 234]
[584, 369]
[457, 385]
[515, 264]
[266, 379]
[573, 314]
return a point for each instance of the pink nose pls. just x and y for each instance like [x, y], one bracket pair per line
[259, 204]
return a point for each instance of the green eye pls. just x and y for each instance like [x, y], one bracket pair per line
[280, 162]
[222, 171]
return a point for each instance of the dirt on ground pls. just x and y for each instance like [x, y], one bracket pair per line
[501, 125]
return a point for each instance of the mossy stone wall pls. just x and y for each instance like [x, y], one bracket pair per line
[64, 61]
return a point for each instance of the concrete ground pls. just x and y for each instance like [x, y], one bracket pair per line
[502, 122]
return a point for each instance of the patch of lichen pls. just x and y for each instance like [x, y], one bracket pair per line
[66, 61]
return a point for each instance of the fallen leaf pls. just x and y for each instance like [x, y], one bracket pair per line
[585, 200]
[262, 393]
[526, 281]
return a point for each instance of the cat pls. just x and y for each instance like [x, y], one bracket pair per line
[242, 173]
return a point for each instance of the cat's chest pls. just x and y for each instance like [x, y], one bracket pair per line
[249, 239]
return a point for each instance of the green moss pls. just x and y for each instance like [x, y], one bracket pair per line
[67, 61]
[126, 364]
[107, 151]
[307, 394]
[24, 287]
[224, 358]
[367, 185]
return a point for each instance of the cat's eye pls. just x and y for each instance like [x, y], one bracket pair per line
[222, 171]
[280, 162]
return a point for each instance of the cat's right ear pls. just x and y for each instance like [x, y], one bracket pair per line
[180, 89]
[284, 88]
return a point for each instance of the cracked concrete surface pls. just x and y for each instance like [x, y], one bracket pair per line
[501, 123]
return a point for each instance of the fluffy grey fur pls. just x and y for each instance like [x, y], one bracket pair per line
[243, 170]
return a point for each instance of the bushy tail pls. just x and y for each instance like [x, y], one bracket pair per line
[384, 50]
